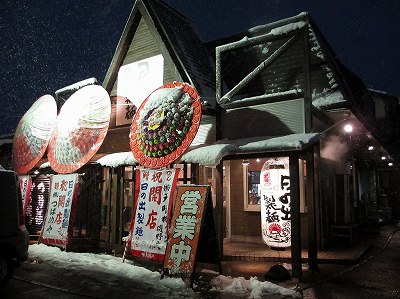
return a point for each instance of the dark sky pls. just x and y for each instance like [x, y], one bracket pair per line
[48, 44]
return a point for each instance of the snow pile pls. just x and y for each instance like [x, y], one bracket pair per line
[256, 288]
[102, 263]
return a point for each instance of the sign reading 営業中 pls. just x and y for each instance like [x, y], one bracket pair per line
[275, 202]
[150, 221]
[185, 230]
[55, 229]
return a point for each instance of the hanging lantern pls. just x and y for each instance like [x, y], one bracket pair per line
[275, 202]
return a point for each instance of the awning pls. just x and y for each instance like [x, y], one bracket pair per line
[211, 155]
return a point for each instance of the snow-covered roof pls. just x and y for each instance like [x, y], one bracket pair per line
[117, 159]
[5, 141]
[211, 155]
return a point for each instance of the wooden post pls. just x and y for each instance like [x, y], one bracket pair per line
[219, 207]
[312, 191]
[295, 216]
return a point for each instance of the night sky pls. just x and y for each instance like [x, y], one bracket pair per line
[47, 45]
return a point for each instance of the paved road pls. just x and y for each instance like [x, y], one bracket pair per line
[377, 276]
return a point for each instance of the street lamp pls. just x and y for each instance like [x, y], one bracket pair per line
[348, 128]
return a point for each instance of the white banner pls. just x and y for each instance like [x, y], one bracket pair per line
[25, 184]
[275, 202]
[55, 229]
[150, 222]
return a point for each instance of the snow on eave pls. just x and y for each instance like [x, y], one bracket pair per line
[117, 159]
[45, 165]
[211, 155]
[5, 141]
[327, 98]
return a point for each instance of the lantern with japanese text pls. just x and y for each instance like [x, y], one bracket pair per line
[275, 202]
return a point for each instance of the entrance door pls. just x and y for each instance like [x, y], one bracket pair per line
[117, 206]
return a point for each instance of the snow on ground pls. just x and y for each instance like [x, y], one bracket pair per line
[103, 263]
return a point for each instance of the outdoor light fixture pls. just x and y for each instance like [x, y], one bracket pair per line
[370, 148]
[383, 158]
[390, 164]
[258, 160]
[348, 128]
[245, 162]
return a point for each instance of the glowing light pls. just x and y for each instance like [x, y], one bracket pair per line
[258, 160]
[383, 158]
[390, 164]
[348, 128]
[370, 148]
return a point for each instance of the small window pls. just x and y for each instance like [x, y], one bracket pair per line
[251, 184]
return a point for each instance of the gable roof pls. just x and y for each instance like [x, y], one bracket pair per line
[184, 46]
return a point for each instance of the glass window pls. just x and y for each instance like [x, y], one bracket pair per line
[251, 183]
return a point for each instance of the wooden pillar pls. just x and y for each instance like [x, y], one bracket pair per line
[312, 191]
[295, 216]
[219, 206]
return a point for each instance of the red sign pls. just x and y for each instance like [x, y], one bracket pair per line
[185, 229]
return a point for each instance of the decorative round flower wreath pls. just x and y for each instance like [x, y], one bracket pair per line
[165, 124]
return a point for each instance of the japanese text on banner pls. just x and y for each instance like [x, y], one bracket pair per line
[59, 208]
[153, 205]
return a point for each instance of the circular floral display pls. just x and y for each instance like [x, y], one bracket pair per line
[33, 134]
[165, 125]
[80, 129]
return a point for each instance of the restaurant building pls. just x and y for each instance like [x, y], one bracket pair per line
[276, 92]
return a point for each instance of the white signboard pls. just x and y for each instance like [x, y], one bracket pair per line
[150, 222]
[55, 229]
[25, 184]
[275, 202]
[138, 79]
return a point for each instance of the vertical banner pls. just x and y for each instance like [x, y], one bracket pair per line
[150, 221]
[186, 224]
[62, 194]
[275, 202]
[25, 184]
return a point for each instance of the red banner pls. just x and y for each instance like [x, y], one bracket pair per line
[151, 218]
[185, 229]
